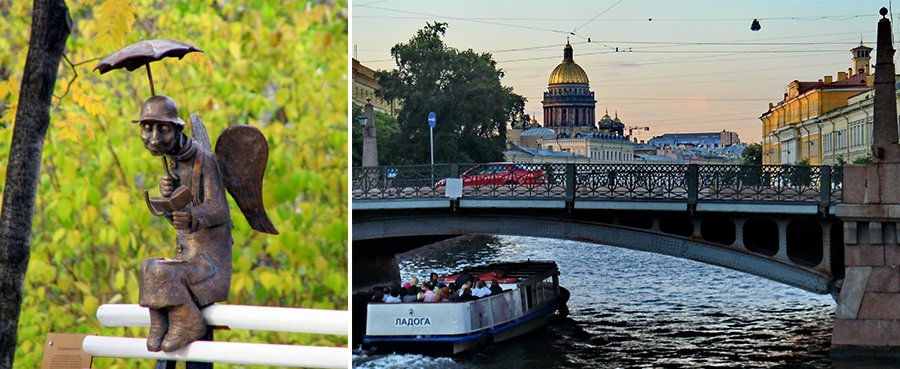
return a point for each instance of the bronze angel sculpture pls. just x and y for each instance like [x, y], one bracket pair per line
[193, 200]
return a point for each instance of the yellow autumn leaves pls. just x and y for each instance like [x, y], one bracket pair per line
[280, 66]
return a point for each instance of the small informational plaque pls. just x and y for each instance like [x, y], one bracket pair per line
[63, 351]
[454, 187]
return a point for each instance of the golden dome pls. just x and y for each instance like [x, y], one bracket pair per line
[606, 116]
[568, 71]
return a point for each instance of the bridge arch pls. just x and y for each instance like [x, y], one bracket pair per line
[647, 240]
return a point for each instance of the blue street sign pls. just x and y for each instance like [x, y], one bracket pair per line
[391, 173]
[432, 119]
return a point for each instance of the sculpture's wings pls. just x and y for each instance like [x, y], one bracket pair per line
[198, 130]
[242, 152]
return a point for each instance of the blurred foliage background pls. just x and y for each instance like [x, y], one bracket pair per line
[278, 65]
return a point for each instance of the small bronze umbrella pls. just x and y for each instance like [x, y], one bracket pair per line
[142, 53]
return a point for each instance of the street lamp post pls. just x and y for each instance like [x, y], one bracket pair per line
[432, 120]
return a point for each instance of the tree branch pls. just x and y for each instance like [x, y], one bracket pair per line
[68, 85]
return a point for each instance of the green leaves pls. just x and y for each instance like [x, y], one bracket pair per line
[752, 155]
[462, 88]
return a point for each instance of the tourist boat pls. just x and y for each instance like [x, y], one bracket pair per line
[531, 297]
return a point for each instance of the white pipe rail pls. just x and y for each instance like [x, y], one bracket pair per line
[239, 317]
[236, 317]
[222, 352]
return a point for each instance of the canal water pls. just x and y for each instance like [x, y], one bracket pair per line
[632, 309]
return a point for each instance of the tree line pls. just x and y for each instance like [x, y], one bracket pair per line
[462, 88]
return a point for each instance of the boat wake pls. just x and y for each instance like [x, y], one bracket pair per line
[404, 361]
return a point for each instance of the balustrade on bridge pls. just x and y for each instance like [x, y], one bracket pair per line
[691, 184]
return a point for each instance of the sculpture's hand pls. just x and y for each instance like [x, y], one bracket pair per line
[166, 185]
[181, 219]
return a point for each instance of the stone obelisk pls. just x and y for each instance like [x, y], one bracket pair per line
[370, 140]
[867, 320]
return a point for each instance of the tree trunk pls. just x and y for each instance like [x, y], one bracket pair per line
[50, 28]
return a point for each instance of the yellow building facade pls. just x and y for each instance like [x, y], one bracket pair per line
[364, 87]
[846, 132]
[790, 132]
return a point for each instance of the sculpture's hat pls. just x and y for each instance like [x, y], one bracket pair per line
[159, 108]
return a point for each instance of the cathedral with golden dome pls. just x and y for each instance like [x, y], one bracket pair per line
[570, 130]
[569, 103]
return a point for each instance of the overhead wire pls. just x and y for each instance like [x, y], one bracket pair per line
[704, 74]
[680, 98]
[597, 16]
[676, 60]
[658, 44]
[732, 52]
[476, 19]
[650, 19]
[464, 19]
[597, 53]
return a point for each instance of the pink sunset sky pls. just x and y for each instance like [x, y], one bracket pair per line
[693, 66]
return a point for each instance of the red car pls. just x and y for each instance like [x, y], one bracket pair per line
[500, 174]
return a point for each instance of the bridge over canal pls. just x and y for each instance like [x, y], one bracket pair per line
[775, 222]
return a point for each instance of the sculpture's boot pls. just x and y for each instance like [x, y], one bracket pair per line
[159, 324]
[186, 325]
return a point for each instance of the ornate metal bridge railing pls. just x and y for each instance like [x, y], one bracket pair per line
[606, 182]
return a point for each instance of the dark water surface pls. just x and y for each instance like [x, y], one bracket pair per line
[637, 310]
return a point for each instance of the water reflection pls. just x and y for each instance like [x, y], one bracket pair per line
[634, 309]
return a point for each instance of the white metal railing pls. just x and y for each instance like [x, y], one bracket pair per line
[235, 317]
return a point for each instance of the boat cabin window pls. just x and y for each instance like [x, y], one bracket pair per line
[529, 297]
[548, 286]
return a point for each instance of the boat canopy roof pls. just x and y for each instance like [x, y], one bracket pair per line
[521, 270]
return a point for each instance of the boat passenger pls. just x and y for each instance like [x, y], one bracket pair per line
[378, 296]
[408, 295]
[438, 295]
[465, 286]
[463, 278]
[495, 287]
[467, 295]
[481, 289]
[434, 280]
[410, 291]
[429, 291]
[394, 296]
[445, 295]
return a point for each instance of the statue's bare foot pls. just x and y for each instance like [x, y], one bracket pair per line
[186, 325]
[159, 324]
